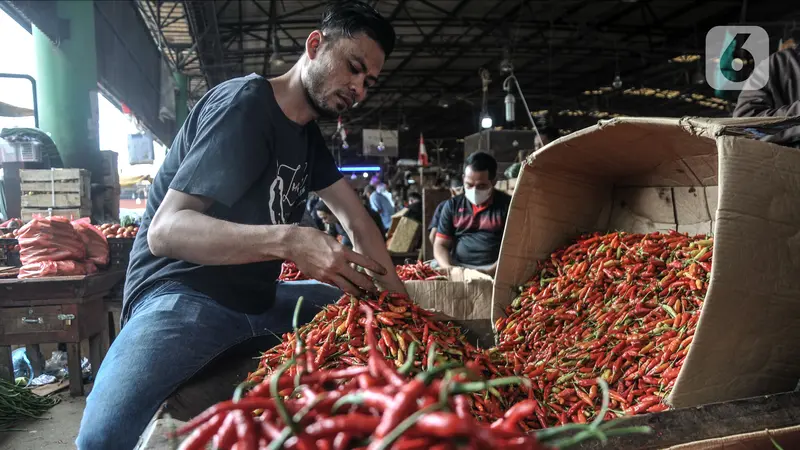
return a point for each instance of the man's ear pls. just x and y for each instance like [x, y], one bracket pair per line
[313, 43]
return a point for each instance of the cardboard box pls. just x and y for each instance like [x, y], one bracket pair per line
[696, 176]
[465, 298]
[785, 437]
[406, 236]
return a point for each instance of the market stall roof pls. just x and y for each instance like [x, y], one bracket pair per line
[563, 52]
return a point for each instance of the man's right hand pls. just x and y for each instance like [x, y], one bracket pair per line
[323, 258]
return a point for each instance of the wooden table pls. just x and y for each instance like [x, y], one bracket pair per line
[55, 309]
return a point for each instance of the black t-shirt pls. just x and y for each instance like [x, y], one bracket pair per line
[477, 231]
[238, 149]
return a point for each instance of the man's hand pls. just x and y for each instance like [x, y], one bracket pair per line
[324, 258]
[491, 270]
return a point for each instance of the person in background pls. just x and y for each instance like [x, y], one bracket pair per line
[414, 206]
[380, 188]
[310, 217]
[780, 96]
[470, 227]
[456, 188]
[380, 204]
[331, 224]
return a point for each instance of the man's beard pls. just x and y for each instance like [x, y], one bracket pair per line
[315, 99]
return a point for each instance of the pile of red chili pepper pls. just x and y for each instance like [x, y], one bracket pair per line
[621, 307]
[373, 407]
[290, 272]
[337, 333]
[418, 271]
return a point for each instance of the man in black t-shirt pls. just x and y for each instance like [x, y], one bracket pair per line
[470, 227]
[221, 218]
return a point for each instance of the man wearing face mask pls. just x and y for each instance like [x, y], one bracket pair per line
[222, 216]
[470, 226]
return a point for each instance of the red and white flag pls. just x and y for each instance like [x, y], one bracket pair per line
[422, 159]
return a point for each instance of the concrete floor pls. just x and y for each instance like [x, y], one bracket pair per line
[56, 430]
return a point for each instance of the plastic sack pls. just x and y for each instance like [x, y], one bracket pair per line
[96, 243]
[49, 239]
[56, 269]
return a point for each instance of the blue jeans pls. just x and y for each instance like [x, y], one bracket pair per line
[172, 332]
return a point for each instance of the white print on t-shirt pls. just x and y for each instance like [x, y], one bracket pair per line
[288, 187]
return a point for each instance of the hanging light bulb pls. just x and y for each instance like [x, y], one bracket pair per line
[365, 175]
[617, 83]
[381, 147]
[486, 121]
[353, 177]
[345, 145]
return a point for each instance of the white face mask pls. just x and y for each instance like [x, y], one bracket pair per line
[477, 197]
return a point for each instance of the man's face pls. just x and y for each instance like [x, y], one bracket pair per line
[326, 218]
[477, 179]
[340, 71]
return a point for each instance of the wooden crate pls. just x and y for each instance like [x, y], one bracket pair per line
[55, 188]
[74, 213]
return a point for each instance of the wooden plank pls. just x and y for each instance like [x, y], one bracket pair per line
[706, 422]
[52, 174]
[48, 187]
[34, 354]
[57, 200]
[52, 388]
[97, 352]
[74, 366]
[57, 290]
[6, 364]
[74, 213]
[430, 200]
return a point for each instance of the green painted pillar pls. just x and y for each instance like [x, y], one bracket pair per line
[181, 99]
[66, 75]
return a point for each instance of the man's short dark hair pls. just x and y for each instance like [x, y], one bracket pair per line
[456, 182]
[369, 189]
[480, 162]
[348, 18]
[415, 195]
[321, 206]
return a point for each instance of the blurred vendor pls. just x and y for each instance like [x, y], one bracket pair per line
[470, 226]
[414, 206]
[380, 204]
[332, 225]
[456, 188]
[780, 96]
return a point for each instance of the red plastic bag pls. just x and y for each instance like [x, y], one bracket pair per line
[96, 243]
[56, 268]
[50, 239]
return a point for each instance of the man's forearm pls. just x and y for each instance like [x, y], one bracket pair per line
[200, 239]
[442, 255]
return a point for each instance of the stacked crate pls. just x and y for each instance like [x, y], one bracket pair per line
[57, 192]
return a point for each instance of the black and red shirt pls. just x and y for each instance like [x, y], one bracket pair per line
[476, 230]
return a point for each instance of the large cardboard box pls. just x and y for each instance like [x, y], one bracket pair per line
[696, 176]
[464, 298]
